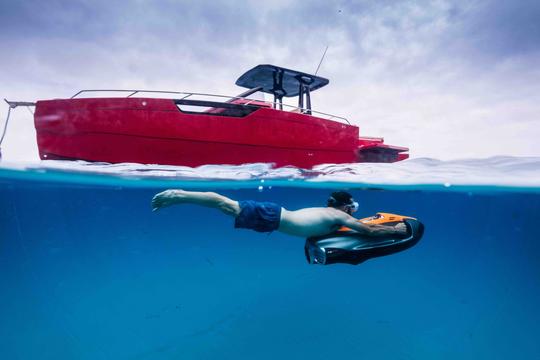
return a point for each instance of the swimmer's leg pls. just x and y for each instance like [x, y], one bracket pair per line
[209, 199]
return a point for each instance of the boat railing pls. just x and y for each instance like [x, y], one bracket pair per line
[186, 95]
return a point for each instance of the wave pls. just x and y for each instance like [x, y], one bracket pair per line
[495, 171]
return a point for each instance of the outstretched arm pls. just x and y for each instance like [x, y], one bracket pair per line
[208, 199]
[373, 230]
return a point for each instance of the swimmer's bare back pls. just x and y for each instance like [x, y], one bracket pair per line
[309, 222]
[304, 223]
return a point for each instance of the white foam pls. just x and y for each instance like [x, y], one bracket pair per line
[499, 170]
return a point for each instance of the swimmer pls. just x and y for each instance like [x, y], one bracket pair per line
[267, 216]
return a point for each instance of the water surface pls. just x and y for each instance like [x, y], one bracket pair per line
[89, 272]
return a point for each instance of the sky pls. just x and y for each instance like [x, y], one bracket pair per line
[448, 79]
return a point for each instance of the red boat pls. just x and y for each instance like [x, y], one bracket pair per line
[195, 129]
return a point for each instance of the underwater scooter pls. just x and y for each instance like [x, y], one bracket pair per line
[349, 247]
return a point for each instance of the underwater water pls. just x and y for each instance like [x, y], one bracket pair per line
[88, 271]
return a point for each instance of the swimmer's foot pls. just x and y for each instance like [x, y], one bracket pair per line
[168, 198]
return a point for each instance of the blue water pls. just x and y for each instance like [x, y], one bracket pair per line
[87, 271]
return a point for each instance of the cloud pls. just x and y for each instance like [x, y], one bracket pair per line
[446, 78]
[502, 29]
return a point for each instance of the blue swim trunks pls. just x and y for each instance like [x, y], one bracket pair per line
[258, 216]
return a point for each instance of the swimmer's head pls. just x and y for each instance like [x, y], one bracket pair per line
[342, 200]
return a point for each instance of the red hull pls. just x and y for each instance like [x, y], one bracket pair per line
[155, 131]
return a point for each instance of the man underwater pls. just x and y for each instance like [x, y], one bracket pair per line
[267, 216]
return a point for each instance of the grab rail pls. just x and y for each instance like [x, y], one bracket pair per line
[230, 98]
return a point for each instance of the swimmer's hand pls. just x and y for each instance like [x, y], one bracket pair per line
[400, 229]
[166, 198]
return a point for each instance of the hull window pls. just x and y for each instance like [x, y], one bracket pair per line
[213, 108]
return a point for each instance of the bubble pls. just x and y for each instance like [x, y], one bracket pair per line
[447, 184]
[260, 188]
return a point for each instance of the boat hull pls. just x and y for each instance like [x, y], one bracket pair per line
[157, 131]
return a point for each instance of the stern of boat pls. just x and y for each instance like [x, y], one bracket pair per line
[374, 150]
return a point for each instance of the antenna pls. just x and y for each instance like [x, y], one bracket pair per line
[322, 58]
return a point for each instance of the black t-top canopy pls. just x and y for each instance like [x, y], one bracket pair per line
[279, 81]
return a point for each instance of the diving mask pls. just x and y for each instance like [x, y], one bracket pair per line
[353, 206]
